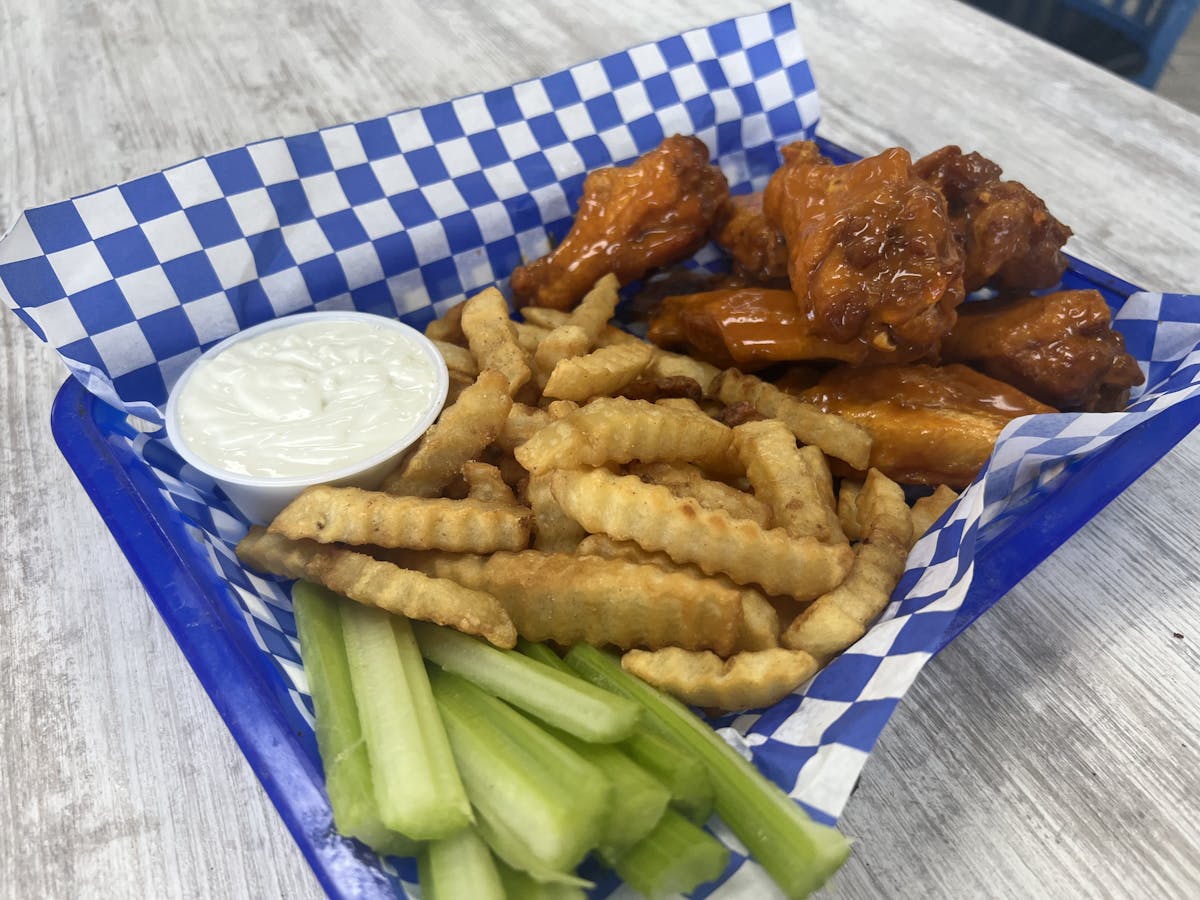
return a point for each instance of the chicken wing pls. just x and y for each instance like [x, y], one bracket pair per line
[756, 247]
[631, 219]
[745, 327]
[1006, 233]
[1059, 348]
[928, 425]
[871, 253]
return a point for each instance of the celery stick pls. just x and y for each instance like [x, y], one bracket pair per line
[520, 886]
[459, 866]
[562, 699]
[543, 653]
[684, 776]
[513, 850]
[676, 857]
[516, 774]
[417, 785]
[638, 799]
[348, 779]
[797, 852]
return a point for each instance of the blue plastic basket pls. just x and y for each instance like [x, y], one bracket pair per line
[201, 611]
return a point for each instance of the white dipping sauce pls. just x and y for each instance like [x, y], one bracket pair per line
[310, 398]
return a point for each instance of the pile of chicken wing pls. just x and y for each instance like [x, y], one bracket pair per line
[848, 285]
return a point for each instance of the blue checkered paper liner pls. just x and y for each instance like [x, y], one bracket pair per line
[405, 215]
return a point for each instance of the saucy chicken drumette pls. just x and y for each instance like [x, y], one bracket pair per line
[631, 220]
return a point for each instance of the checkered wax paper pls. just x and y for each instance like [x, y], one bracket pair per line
[406, 215]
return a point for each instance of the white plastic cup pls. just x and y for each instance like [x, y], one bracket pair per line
[261, 498]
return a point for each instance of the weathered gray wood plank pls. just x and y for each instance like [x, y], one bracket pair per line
[1051, 750]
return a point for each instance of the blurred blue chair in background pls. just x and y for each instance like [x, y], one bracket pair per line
[1133, 38]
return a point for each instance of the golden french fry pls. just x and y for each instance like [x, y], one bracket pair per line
[486, 483]
[629, 509]
[666, 364]
[838, 437]
[564, 342]
[596, 308]
[461, 433]
[522, 423]
[376, 583]
[747, 680]
[544, 317]
[848, 493]
[928, 510]
[760, 622]
[682, 404]
[448, 328]
[601, 372]
[458, 359]
[684, 480]
[835, 620]
[560, 409]
[612, 429]
[350, 515]
[553, 530]
[529, 336]
[493, 338]
[458, 383]
[567, 599]
[795, 483]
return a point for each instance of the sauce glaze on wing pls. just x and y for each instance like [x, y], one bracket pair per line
[928, 424]
[871, 253]
[631, 219]
[1060, 348]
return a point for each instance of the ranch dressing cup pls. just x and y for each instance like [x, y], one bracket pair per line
[312, 398]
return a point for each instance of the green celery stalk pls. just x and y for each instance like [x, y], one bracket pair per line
[561, 699]
[676, 857]
[799, 853]
[517, 774]
[417, 786]
[521, 886]
[684, 776]
[638, 799]
[348, 780]
[459, 866]
[512, 850]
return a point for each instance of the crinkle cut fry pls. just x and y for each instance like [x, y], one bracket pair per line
[795, 482]
[685, 480]
[837, 619]
[351, 515]
[492, 337]
[373, 582]
[613, 429]
[760, 621]
[553, 530]
[628, 509]
[748, 680]
[486, 483]
[601, 372]
[461, 434]
[838, 437]
[571, 599]
[929, 509]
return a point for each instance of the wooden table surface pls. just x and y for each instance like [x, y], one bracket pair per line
[1050, 751]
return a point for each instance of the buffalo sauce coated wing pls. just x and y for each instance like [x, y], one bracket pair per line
[1005, 230]
[871, 254]
[745, 327]
[928, 424]
[631, 219]
[753, 243]
[1059, 348]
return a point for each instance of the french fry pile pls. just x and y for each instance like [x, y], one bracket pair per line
[582, 487]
